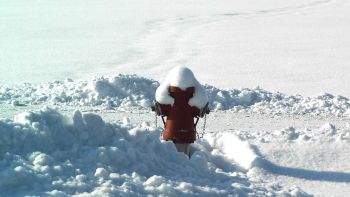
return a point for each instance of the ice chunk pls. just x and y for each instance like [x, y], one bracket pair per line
[101, 173]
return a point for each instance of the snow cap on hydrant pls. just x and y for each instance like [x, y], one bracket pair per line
[182, 100]
[183, 78]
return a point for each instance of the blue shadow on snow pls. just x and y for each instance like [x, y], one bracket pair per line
[302, 173]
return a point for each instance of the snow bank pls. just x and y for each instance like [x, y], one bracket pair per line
[261, 101]
[182, 78]
[46, 154]
[122, 91]
[130, 91]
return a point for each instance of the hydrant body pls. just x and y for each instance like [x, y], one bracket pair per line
[181, 100]
[180, 124]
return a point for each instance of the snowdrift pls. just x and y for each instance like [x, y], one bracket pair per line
[130, 91]
[46, 154]
[122, 91]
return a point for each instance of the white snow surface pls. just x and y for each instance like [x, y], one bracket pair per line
[285, 144]
[126, 92]
[44, 153]
[182, 78]
[295, 47]
[234, 148]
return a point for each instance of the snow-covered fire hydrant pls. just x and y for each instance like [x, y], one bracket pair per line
[182, 100]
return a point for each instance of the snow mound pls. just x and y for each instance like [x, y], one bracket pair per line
[261, 101]
[182, 78]
[47, 154]
[125, 92]
[122, 91]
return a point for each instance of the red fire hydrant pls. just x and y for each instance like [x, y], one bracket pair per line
[182, 101]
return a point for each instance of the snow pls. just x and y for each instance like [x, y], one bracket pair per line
[83, 155]
[128, 92]
[120, 91]
[162, 94]
[234, 148]
[275, 72]
[295, 47]
[183, 78]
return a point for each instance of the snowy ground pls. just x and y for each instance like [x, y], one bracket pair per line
[295, 47]
[312, 158]
[260, 145]
[286, 137]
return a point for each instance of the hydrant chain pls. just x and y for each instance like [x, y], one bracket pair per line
[204, 124]
[156, 120]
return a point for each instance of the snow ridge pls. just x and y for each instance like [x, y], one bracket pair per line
[261, 101]
[131, 91]
[122, 91]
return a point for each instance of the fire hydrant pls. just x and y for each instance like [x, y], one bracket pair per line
[181, 100]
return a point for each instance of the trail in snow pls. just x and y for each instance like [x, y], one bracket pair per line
[234, 51]
[306, 7]
[173, 41]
